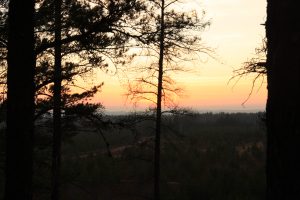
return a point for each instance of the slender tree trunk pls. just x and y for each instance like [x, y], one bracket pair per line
[56, 155]
[20, 101]
[283, 118]
[158, 107]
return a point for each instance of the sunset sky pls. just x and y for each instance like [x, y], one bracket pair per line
[235, 32]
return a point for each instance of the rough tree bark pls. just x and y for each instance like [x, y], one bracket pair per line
[283, 118]
[20, 98]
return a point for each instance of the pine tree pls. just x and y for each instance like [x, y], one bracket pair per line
[171, 37]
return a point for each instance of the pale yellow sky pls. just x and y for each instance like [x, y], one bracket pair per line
[235, 32]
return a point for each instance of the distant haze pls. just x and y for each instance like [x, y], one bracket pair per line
[237, 109]
[235, 32]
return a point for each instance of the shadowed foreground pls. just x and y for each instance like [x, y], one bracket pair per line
[206, 156]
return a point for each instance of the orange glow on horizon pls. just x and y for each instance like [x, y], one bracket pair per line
[199, 96]
[235, 33]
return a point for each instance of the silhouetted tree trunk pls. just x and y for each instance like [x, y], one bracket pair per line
[283, 113]
[20, 101]
[158, 106]
[56, 155]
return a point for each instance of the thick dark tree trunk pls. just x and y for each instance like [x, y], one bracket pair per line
[283, 118]
[56, 155]
[158, 107]
[20, 101]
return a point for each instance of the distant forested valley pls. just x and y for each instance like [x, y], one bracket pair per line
[203, 156]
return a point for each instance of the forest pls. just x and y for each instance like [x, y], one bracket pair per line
[207, 156]
[57, 143]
